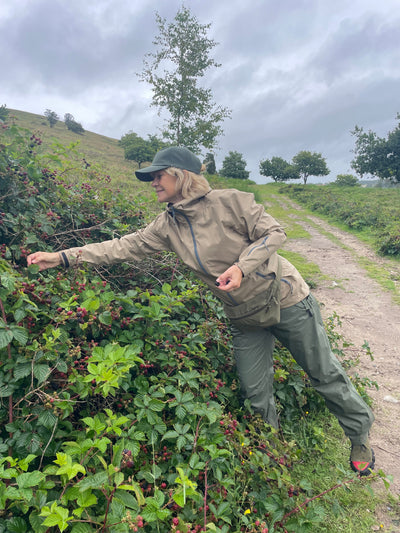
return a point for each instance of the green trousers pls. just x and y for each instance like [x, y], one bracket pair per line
[302, 332]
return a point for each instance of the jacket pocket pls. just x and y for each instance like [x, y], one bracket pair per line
[262, 310]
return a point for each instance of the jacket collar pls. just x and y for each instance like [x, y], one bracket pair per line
[188, 205]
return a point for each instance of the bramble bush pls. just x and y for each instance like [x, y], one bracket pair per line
[120, 408]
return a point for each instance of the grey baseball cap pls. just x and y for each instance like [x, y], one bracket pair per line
[174, 156]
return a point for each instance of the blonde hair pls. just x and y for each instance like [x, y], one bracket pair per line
[189, 184]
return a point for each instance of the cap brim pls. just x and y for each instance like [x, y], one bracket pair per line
[144, 174]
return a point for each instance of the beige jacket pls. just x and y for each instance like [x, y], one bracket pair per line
[210, 233]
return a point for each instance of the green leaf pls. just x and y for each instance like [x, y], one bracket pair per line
[170, 435]
[105, 318]
[47, 419]
[127, 499]
[33, 269]
[30, 479]
[180, 411]
[179, 498]
[19, 314]
[156, 405]
[62, 366]
[37, 523]
[91, 304]
[93, 482]
[41, 372]
[181, 441]
[86, 499]
[20, 334]
[25, 462]
[22, 370]
[81, 528]
[136, 489]
[7, 281]
[149, 515]
[6, 391]
[16, 525]
[6, 337]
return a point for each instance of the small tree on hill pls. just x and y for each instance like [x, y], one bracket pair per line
[346, 180]
[3, 112]
[209, 162]
[278, 169]
[52, 117]
[310, 164]
[234, 166]
[136, 148]
[72, 125]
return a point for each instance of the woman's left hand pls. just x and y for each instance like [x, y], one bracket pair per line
[230, 280]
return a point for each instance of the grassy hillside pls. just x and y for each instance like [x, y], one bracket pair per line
[96, 148]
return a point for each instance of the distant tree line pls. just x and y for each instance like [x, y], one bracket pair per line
[303, 165]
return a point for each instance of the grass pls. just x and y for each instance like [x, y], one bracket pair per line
[353, 508]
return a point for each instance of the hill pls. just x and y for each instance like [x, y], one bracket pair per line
[96, 148]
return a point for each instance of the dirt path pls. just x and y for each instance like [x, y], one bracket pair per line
[368, 314]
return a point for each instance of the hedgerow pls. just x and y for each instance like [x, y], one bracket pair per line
[375, 210]
[120, 408]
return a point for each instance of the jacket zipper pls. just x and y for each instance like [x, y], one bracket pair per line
[196, 253]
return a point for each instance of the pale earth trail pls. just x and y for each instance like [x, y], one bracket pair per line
[368, 313]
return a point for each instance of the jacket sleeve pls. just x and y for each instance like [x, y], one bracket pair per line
[264, 233]
[133, 247]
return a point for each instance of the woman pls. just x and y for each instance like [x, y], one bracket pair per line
[231, 243]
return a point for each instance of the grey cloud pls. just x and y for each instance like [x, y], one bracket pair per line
[359, 47]
[63, 44]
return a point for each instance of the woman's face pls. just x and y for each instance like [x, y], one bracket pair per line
[164, 185]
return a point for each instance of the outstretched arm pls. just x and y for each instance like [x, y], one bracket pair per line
[44, 259]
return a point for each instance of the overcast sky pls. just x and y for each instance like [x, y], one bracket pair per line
[297, 74]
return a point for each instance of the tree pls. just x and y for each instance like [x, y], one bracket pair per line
[72, 125]
[136, 148]
[52, 117]
[3, 112]
[157, 143]
[234, 166]
[310, 164]
[209, 162]
[173, 70]
[278, 169]
[346, 180]
[377, 156]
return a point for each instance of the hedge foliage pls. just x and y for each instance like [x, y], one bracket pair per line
[372, 209]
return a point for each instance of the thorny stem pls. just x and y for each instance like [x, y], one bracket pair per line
[174, 270]
[205, 496]
[109, 499]
[196, 436]
[309, 500]
[10, 398]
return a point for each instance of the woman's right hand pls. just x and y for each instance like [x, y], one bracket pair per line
[44, 259]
